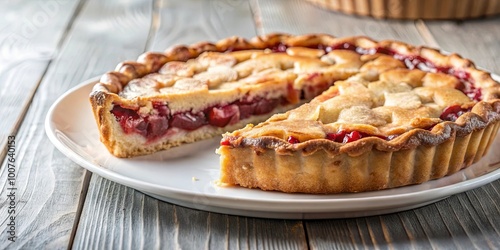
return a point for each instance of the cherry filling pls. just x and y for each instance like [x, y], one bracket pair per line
[310, 91]
[129, 120]
[222, 116]
[337, 137]
[225, 142]
[280, 47]
[292, 140]
[188, 121]
[346, 46]
[414, 61]
[411, 62]
[151, 126]
[471, 91]
[344, 136]
[452, 113]
[474, 93]
[155, 125]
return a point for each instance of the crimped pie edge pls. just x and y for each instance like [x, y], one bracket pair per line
[371, 170]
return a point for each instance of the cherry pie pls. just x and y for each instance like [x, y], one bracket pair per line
[377, 115]
[190, 93]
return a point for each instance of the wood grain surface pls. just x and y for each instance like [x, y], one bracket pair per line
[118, 217]
[300, 17]
[49, 184]
[477, 40]
[29, 39]
[192, 21]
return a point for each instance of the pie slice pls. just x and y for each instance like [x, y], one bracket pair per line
[190, 93]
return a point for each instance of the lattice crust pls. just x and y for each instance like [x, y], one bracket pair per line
[376, 83]
[381, 108]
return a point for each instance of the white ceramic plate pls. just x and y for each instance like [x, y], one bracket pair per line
[186, 175]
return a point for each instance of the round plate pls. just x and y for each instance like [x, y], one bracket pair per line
[187, 175]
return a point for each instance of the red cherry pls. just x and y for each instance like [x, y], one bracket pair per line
[332, 137]
[134, 125]
[365, 51]
[345, 136]
[280, 47]
[157, 126]
[293, 140]
[474, 94]
[385, 51]
[129, 120]
[353, 136]
[441, 69]
[188, 120]
[264, 106]
[225, 142]
[222, 116]
[346, 46]
[337, 137]
[460, 74]
[246, 109]
[452, 113]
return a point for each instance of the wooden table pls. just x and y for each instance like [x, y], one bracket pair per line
[47, 47]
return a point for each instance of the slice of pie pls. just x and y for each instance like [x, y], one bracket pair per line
[408, 115]
[190, 93]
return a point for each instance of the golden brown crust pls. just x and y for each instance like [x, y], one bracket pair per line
[320, 167]
[481, 116]
[325, 171]
[150, 62]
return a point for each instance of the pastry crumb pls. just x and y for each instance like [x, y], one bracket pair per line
[195, 179]
[223, 184]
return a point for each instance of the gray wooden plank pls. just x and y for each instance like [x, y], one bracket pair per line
[115, 216]
[187, 22]
[29, 37]
[475, 39]
[49, 184]
[301, 17]
[118, 217]
[454, 223]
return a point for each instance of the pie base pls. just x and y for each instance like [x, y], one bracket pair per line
[128, 145]
[325, 173]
